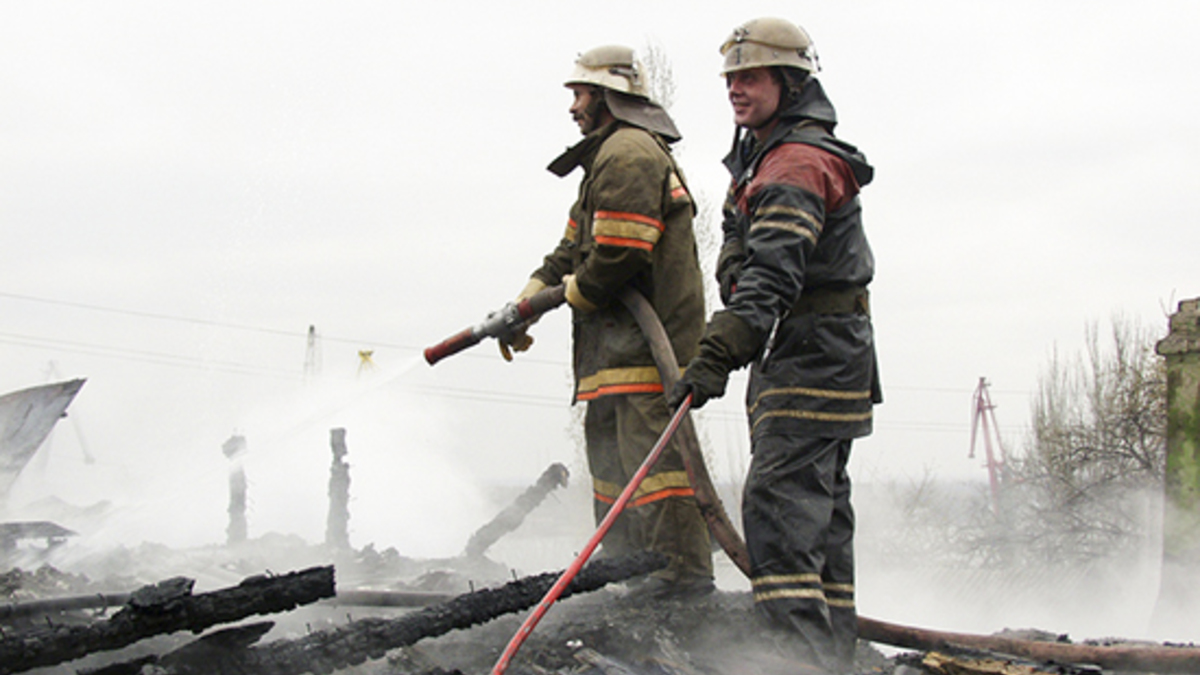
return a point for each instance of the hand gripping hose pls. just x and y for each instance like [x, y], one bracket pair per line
[618, 506]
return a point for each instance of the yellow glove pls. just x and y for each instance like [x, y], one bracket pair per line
[521, 341]
[575, 298]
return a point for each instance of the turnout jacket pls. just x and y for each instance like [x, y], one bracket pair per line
[794, 268]
[630, 225]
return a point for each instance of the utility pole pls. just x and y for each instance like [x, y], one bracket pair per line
[1178, 595]
[985, 416]
[312, 356]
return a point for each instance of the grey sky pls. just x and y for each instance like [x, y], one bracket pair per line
[185, 188]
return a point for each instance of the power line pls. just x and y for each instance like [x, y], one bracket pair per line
[156, 358]
[193, 320]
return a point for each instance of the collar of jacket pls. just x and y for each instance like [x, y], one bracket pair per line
[811, 107]
[583, 152]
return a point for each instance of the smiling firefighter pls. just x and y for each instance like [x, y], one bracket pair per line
[793, 270]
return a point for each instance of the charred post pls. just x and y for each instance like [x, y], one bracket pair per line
[555, 476]
[337, 525]
[166, 607]
[1178, 597]
[234, 449]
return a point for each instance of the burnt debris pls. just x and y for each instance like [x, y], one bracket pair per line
[327, 651]
[163, 608]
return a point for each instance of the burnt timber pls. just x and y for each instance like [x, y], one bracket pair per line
[367, 639]
[166, 607]
[511, 517]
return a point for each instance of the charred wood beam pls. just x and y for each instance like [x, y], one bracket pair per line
[1130, 659]
[344, 598]
[166, 607]
[326, 651]
[513, 515]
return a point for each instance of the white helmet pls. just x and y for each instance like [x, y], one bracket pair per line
[612, 67]
[768, 42]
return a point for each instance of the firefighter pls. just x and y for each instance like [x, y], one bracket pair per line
[793, 273]
[631, 226]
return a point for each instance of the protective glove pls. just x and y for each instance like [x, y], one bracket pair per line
[574, 297]
[728, 343]
[520, 340]
[703, 379]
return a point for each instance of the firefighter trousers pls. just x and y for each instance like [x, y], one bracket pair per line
[662, 515]
[799, 528]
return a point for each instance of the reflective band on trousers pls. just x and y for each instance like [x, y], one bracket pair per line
[802, 586]
[636, 380]
[653, 488]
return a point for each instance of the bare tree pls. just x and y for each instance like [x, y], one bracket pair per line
[1095, 454]
[660, 76]
[1101, 420]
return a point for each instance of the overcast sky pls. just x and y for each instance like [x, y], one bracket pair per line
[186, 187]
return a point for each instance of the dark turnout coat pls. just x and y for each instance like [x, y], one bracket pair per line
[794, 268]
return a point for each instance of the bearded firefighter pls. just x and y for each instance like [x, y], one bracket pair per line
[631, 226]
[793, 272]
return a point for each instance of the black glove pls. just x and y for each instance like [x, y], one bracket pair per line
[703, 380]
[729, 343]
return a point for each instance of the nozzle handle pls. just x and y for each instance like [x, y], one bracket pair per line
[452, 345]
[499, 323]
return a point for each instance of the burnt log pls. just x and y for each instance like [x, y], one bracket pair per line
[166, 607]
[102, 601]
[326, 651]
[1152, 659]
[513, 515]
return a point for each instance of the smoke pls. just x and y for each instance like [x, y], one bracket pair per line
[410, 487]
[924, 560]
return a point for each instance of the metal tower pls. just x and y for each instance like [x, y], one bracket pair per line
[985, 416]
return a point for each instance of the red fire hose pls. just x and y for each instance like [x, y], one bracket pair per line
[618, 506]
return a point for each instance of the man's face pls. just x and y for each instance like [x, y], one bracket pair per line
[754, 94]
[583, 108]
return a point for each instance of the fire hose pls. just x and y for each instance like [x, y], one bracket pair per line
[615, 510]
